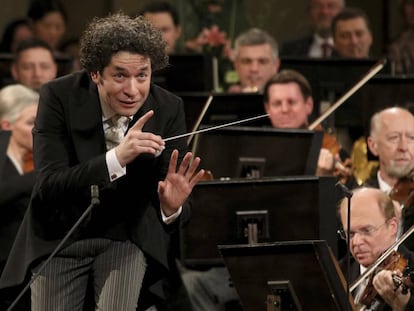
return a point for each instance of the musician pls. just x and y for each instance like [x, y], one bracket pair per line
[256, 59]
[105, 126]
[288, 101]
[18, 105]
[391, 139]
[373, 230]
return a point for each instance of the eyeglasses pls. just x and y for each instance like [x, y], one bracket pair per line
[367, 231]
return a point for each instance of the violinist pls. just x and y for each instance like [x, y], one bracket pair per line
[391, 139]
[373, 230]
[18, 105]
[289, 103]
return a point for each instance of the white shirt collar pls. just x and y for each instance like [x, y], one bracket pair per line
[382, 184]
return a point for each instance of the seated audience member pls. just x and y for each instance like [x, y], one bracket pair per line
[319, 43]
[351, 34]
[164, 16]
[33, 64]
[401, 50]
[48, 19]
[289, 103]
[373, 231]
[16, 31]
[256, 59]
[18, 105]
[391, 139]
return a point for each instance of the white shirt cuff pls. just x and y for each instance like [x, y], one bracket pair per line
[170, 219]
[115, 170]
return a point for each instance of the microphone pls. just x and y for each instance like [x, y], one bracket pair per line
[344, 189]
[86, 215]
[94, 195]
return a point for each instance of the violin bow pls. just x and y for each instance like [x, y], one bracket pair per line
[372, 72]
[200, 117]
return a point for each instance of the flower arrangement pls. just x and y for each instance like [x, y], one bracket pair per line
[212, 41]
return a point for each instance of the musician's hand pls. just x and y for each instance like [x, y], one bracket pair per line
[326, 163]
[137, 142]
[179, 182]
[386, 288]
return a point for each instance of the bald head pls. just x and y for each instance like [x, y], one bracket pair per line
[373, 224]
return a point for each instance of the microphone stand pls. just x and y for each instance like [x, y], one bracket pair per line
[348, 194]
[94, 202]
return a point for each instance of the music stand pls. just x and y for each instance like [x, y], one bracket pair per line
[186, 73]
[224, 108]
[255, 152]
[299, 275]
[330, 79]
[283, 209]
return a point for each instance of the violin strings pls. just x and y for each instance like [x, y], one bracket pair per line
[212, 128]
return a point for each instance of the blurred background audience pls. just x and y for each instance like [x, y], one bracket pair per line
[164, 16]
[401, 49]
[352, 36]
[319, 43]
[48, 19]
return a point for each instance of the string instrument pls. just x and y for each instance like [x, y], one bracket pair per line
[372, 72]
[329, 141]
[390, 260]
[342, 169]
[394, 261]
[403, 191]
[28, 164]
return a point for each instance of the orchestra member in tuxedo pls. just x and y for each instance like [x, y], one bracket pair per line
[289, 103]
[255, 60]
[18, 106]
[105, 126]
[373, 230]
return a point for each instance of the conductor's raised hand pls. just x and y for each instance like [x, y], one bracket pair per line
[178, 183]
[137, 142]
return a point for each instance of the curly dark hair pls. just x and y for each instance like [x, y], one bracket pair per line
[118, 32]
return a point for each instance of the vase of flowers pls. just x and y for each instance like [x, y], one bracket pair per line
[214, 43]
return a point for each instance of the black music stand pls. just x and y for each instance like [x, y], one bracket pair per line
[283, 209]
[330, 79]
[299, 276]
[186, 73]
[255, 152]
[224, 108]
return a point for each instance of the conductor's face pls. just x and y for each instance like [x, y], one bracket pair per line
[125, 82]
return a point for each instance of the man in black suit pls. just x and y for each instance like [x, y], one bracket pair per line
[373, 231]
[321, 13]
[144, 182]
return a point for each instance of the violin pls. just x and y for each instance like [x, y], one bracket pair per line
[403, 191]
[342, 169]
[395, 261]
[390, 260]
[28, 164]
